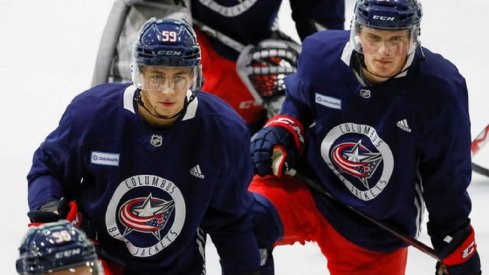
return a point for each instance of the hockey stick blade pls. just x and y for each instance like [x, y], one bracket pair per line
[480, 141]
[476, 146]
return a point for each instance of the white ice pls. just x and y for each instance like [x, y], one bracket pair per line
[47, 54]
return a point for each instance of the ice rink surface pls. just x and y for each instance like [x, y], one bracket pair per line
[47, 54]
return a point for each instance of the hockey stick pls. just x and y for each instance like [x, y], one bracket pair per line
[389, 228]
[475, 147]
[480, 170]
[278, 158]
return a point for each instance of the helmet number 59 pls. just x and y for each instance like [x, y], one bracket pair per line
[170, 36]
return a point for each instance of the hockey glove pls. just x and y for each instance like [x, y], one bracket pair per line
[458, 253]
[280, 142]
[63, 209]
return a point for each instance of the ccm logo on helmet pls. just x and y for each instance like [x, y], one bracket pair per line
[170, 53]
[383, 18]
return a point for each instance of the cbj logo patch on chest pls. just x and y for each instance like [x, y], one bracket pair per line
[359, 157]
[229, 10]
[147, 213]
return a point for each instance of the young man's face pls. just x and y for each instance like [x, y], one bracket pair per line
[165, 88]
[385, 52]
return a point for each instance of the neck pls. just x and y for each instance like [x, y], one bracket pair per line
[155, 119]
[151, 116]
[373, 78]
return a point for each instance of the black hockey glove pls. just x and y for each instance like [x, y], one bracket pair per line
[458, 252]
[276, 147]
[63, 209]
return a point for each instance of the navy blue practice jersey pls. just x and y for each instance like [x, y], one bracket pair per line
[385, 149]
[251, 21]
[152, 193]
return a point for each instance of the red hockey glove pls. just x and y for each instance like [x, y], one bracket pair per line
[458, 253]
[285, 136]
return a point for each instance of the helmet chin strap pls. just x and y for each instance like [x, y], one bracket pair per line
[141, 103]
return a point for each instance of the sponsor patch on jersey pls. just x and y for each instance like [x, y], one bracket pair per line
[104, 158]
[328, 101]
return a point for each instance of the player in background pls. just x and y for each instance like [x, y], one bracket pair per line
[153, 165]
[224, 29]
[382, 124]
[57, 248]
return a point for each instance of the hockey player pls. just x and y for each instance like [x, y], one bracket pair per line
[224, 29]
[153, 165]
[382, 124]
[57, 248]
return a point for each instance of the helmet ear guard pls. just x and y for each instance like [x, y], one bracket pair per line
[264, 67]
[198, 78]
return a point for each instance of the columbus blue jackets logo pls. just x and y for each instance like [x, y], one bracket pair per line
[229, 9]
[359, 158]
[147, 213]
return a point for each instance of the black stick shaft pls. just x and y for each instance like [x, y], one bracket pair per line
[393, 231]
